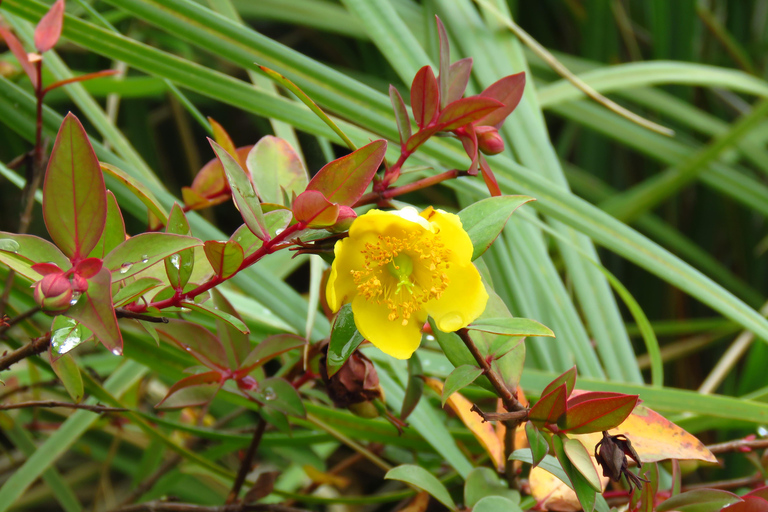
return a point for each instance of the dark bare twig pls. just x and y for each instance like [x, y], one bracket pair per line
[27, 387]
[54, 403]
[124, 313]
[245, 465]
[18, 318]
[36, 346]
[500, 416]
[164, 506]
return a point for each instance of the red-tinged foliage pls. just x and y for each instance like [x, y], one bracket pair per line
[313, 209]
[509, 91]
[224, 257]
[459, 78]
[199, 391]
[198, 341]
[488, 140]
[401, 114]
[74, 196]
[597, 414]
[750, 504]
[568, 378]
[466, 110]
[700, 500]
[268, 349]
[94, 310]
[222, 138]
[549, 407]
[89, 267]
[489, 178]
[210, 186]
[45, 269]
[344, 180]
[20, 53]
[48, 31]
[425, 96]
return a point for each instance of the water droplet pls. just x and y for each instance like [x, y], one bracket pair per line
[188, 348]
[144, 258]
[451, 322]
[116, 351]
[185, 310]
[430, 337]
[8, 245]
[75, 298]
[269, 394]
[176, 261]
[125, 267]
[67, 338]
[279, 230]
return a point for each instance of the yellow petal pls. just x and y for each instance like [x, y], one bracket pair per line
[462, 301]
[391, 337]
[450, 230]
[341, 286]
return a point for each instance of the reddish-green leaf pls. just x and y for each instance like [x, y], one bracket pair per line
[207, 310]
[699, 500]
[268, 349]
[549, 407]
[597, 414]
[465, 111]
[210, 185]
[243, 192]
[114, 229]
[583, 489]
[401, 114]
[508, 91]
[34, 249]
[74, 197]
[568, 378]
[276, 170]
[345, 179]
[489, 178]
[192, 391]
[276, 222]
[225, 257]
[460, 71]
[140, 190]
[420, 137]
[179, 266]
[313, 209]
[444, 76]
[235, 342]
[132, 291]
[20, 53]
[469, 141]
[222, 138]
[278, 394]
[67, 371]
[95, 311]
[48, 30]
[142, 251]
[197, 340]
[425, 96]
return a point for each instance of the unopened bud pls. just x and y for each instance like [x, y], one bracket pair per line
[53, 293]
[356, 381]
[488, 140]
[344, 220]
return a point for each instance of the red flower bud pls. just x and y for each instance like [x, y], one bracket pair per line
[344, 220]
[488, 140]
[53, 293]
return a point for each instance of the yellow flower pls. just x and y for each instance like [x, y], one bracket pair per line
[398, 267]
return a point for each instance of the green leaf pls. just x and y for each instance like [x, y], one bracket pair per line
[401, 114]
[484, 220]
[197, 340]
[216, 313]
[66, 334]
[596, 415]
[268, 349]
[483, 482]
[68, 372]
[179, 266]
[511, 327]
[579, 457]
[114, 229]
[225, 257]
[699, 500]
[133, 290]
[243, 193]
[20, 252]
[496, 504]
[537, 442]
[424, 480]
[344, 180]
[345, 339]
[414, 388]
[192, 391]
[235, 342]
[74, 196]
[549, 464]
[94, 310]
[276, 221]
[276, 170]
[461, 377]
[142, 251]
[276, 393]
[139, 189]
[583, 489]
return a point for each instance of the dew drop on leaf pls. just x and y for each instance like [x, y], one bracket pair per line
[125, 267]
[75, 298]
[269, 394]
[8, 245]
[176, 261]
[117, 351]
[144, 258]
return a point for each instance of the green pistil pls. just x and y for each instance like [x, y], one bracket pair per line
[401, 267]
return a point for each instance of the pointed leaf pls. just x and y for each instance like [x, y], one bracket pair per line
[144, 250]
[224, 257]
[458, 379]
[20, 53]
[420, 137]
[485, 219]
[222, 138]
[179, 266]
[444, 77]
[139, 189]
[68, 372]
[424, 480]
[511, 327]
[496, 504]
[133, 290]
[344, 180]
[197, 340]
[750, 504]
[425, 96]
[508, 91]
[235, 342]
[211, 311]
[48, 30]
[699, 500]
[276, 169]
[210, 186]
[583, 489]
[489, 178]
[95, 311]
[598, 414]
[114, 229]
[465, 111]
[549, 407]
[568, 378]
[269, 348]
[549, 464]
[401, 114]
[278, 394]
[537, 442]
[581, 460]
[66, 334]
[483, 482]
[460, 72]
[34, 249]
[74, 196]
[276, 221]
[243, 192]
[414, 388]
[313, 209]
[345, 339]
[192, 391]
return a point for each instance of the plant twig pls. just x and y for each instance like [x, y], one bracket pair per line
[245, 465]
[54, 403]
[18, 318]
[124, 313]
[738, 445]
[36, 346]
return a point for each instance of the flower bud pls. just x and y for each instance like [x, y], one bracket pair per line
[488, 140]
[344, 220]
[53, 293]
[356, 382]
[364, 410]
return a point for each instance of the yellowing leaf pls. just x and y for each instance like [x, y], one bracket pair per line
[484, 432]
[320, 477]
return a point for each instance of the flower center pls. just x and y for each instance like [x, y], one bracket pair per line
[403, 273]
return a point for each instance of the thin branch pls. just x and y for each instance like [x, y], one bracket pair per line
[54, 403]
[500, 416]
[738, 445]
[245, 465]
[124, 313]
[81, 78]
[18, 318]
[385, 195]
[36, 346]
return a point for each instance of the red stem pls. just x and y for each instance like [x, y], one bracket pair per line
[383, 195]
[268, 247]
[82, 78]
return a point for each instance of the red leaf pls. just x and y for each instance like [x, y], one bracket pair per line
[465, 111]
[198, 341]
[459, 78]
[509, 91]
[420, 137]
[211, 182]
[200, 382]
[549, 407]
[48, 30]
[269, 348]
[598, 414]
[225, 257]
[445, 63]
[344, 180]
[95, 311]
[89, 267]
[750, 504]
[223, 139]
[469, 141]
[20, 53]
[489, 178]
[74, 196]
[46, 268]
[425, 96]
[568, 378]
[312, 208]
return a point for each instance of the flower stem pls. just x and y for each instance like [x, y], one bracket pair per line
[386, 194]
